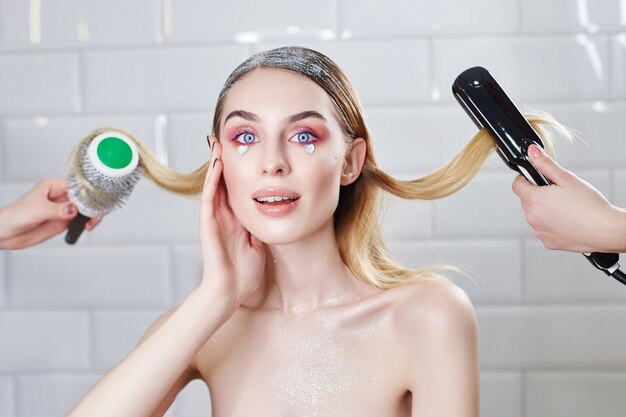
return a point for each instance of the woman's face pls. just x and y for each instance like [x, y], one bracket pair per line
[283, 153]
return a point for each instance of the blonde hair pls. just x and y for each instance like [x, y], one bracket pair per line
[356, 218]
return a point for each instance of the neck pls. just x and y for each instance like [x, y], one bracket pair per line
[307, 275]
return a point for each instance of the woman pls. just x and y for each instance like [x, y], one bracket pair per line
[300, 310]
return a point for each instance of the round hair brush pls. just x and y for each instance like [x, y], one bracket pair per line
[104, 169]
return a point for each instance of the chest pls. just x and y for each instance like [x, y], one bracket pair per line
[304, 368]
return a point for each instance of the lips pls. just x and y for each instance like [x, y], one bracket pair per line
[275, 202]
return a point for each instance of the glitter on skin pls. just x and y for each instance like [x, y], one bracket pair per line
[243, 149]
[309, 148]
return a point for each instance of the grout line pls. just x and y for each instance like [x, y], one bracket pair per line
[523, 393]
[16, 397]
[80, 73]
[523, 271]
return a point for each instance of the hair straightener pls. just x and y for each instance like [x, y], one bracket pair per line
[489, 107]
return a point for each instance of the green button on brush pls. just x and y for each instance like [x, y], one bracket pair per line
[114, 153]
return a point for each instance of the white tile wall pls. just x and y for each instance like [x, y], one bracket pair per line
[599, 128]
[500, 394]
[43, 83]
[565, 336]
[121, 276]
[524, 70]
[71, 23]
[117, 333]
[7, 397]
[187, 262]
[55, 394]
[248, 20]
[491, 268]
[576, 394]
[570, 16]
[550, 325]
[619, 65]
[486, 207]
[410, 17]
[3, 281]
[40, 146]
[430, 138]
[43, 341]
[133, 79]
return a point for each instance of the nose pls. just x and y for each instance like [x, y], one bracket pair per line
[274, 160]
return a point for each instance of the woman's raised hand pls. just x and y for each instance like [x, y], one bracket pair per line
[233, 259]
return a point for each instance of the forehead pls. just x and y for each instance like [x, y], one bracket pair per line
[272, 89]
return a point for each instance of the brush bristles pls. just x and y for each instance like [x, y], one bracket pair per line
[94, 193]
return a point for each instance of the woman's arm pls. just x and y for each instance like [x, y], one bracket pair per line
[443, 348]
[147, 381]
[142, 381]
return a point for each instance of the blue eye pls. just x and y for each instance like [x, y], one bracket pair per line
[304, 137]
[246, 138]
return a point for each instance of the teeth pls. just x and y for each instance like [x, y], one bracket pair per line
[273, 198]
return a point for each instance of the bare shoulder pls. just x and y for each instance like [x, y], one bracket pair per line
[434, 308]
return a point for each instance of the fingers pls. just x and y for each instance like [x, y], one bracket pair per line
[208, 198]
[57, 189]
[548, 167]
[522, 187]
[91, 224]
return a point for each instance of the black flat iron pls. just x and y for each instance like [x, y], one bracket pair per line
[490, 108]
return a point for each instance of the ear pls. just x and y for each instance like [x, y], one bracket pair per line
[353, 162]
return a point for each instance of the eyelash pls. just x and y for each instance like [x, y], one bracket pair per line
[238, 137]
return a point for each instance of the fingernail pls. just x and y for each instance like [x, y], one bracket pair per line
[208, 140]
[214, 161]
[71, 209]
[535, 151]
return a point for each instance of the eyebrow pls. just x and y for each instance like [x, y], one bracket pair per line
[291, 119]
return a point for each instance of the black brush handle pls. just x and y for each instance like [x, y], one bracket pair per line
[75, 228]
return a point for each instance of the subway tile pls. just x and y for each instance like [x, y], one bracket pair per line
[187, 144]
[485, 207]
[47, 340]
[117, 333]
[500, 394]
[570, 16]
[575, 394]
[552, 337]
[399, 76]
[98, 276]
[598, 129]
[249, 21]
[194, 77]
[3, 280]
[41, 146]
[193, 401]
[52, 395]
[406, 219]
[555, 67]
[187, 271]
[421, 138]
[619, 64]
[70, 23]
[43, 83]
[565, 276]
[151, 215]
[7, 395]
[618, 196]
[490, 268]
[411, 18]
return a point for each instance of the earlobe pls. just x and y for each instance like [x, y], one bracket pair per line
[353, 163]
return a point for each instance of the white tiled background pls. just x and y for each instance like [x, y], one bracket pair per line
[552, 329]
